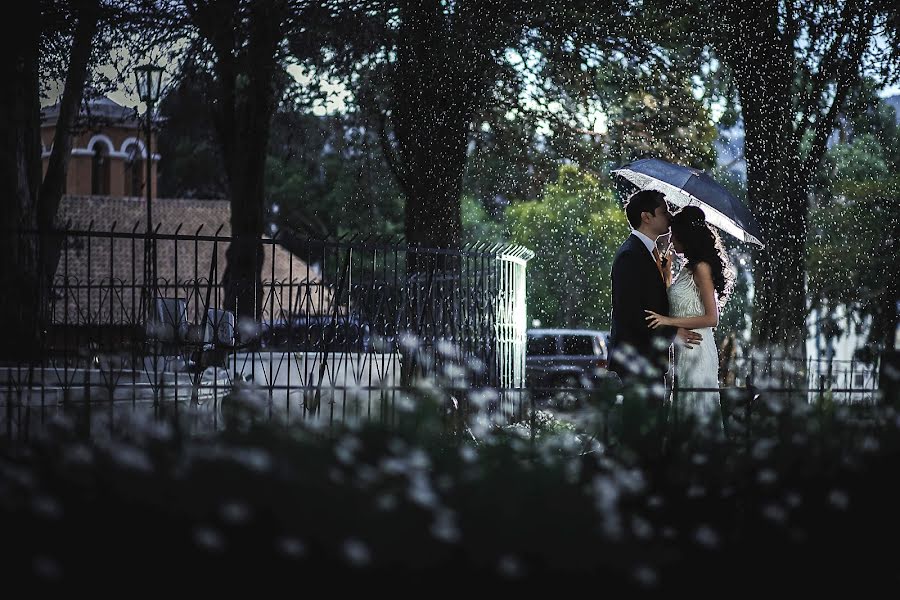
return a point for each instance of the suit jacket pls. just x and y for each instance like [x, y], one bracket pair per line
[635, 349]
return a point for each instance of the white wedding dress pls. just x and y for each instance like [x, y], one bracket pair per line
[696, 367]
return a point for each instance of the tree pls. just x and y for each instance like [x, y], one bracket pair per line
[20, 175]
[513, 156]
[191, 164]
[855, 225]
[575, 230]
[425, 72]
[327, 177]
[657, 114]
[477, 225]
[56, 40]
[240, 44]
[853, 250]
[792, 66]
[77, 38]
[516, 154]
[86, 15]
[324, 174]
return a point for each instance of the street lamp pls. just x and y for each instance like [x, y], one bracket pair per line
[149, 85]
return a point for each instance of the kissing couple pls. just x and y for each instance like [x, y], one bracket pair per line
[661, 325]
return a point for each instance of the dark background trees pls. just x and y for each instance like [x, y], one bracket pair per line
[472, 104]
[426, 73]
[793, 66]
[54, 42]
[854, 235]
[239, 43]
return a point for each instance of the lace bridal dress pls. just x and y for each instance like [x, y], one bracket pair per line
[696, 367]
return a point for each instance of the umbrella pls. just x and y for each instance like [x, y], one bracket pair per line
[684, 186]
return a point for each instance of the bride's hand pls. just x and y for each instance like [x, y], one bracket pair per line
[655, 320]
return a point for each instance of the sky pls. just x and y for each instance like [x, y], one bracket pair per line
[338, 94]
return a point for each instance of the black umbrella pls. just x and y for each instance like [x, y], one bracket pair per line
[684, 186]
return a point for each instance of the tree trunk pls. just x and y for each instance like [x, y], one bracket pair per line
[434, 156]
[431, 102]
[778, 190]
[759, 47]
[245, 100]
[432, 105]
[244, 148]
[431, 133]
[777, 193]
[761, 62]
[20, 175]
[241, 280]
[53, 186]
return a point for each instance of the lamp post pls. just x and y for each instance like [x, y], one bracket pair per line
[149, 85]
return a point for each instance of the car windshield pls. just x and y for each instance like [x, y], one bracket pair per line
[578, 345]
[541, 345]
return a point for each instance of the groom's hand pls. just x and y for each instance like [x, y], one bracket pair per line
[688, 338]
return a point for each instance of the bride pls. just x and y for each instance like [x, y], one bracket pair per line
[698, 292]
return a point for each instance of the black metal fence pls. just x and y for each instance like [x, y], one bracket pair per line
[762, 383]
[749, 388]
[840, 380]
[345, 328]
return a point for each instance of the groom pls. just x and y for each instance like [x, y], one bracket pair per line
[638, 354]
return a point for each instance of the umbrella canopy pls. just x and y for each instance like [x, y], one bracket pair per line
[684, 186]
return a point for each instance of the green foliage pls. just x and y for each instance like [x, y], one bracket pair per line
[191, 164]
[477, 225]
[574, 230]
[853, 254]
[515, 154]
[862, 160]
[867, 113]
[657, 114]
[336, 200]
[326, 175]
[854, 220]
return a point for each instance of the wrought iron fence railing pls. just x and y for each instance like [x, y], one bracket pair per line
[342, 329]
[338, 327]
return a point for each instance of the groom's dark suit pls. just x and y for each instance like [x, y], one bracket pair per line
[635, 349]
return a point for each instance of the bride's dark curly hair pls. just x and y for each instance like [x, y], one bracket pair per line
[702, 244]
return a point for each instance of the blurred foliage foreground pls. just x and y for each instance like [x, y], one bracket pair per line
[801, 499]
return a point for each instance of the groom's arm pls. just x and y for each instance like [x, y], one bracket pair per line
[668, 332]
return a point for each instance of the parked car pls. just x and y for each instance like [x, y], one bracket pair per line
[565, 358]
[315, 333]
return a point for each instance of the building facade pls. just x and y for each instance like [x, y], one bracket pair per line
[109, 151]
[105, 196]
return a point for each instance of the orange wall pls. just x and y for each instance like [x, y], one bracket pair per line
[78, 180]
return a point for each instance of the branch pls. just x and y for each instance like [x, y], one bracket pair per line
[215, 24]
[846, 76]
[389, 156]
[54, 180]
[828, 66]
